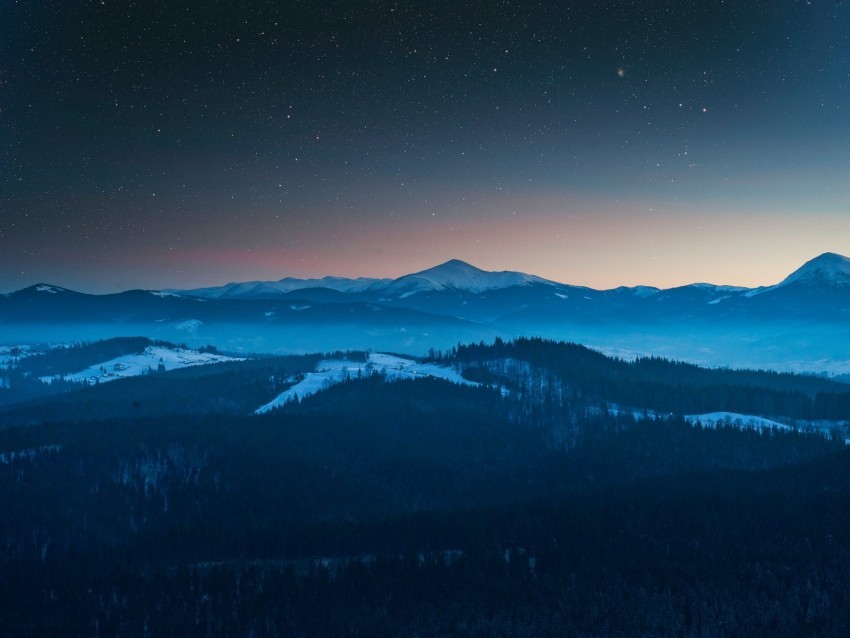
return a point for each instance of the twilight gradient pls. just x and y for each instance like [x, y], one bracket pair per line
[603, 144]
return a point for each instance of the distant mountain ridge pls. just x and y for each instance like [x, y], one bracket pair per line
[266, 289]
[800, 324]
[829, 268]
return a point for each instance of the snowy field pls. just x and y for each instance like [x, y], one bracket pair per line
[133, 365]
[735, 419]
[329, 373]
[715, 419]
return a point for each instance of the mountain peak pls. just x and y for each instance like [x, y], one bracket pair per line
[457, 263]
[831, 269]
[45, 288]
[452, 267]
[456, 274]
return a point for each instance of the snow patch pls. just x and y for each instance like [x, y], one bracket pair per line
[190, 325]
[43, 288]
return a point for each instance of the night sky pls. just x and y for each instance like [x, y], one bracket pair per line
[177, 144]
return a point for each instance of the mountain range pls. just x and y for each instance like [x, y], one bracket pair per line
[828, 270]
[799, 324]
[451, 275]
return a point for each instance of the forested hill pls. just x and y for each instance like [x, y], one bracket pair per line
[556, 492]
[419, 508]
[576, 374]
[40, 385]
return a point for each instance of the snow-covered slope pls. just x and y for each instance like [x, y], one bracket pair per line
[133, 365]
[329, 373]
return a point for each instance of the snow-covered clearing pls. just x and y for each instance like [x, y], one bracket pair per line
[635, 413]
[30, 453]
[329, 373]
[707, 420]
[715, 419]
[734, 419]
[133, 365]
[10, 354]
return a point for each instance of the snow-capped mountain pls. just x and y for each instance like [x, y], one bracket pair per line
[459, 275]
[828, 269]
[819, 281]
[40, 290]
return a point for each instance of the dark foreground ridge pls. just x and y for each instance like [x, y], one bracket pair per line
[566, 495]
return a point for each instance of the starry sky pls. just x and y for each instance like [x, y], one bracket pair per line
[154, 144]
